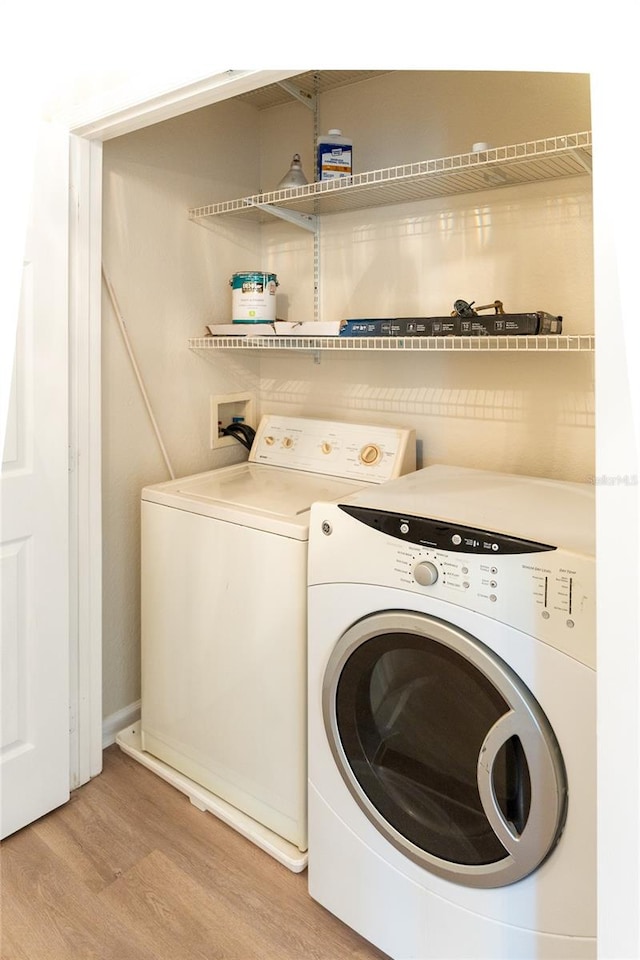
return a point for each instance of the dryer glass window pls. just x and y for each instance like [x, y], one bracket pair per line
[412, 715]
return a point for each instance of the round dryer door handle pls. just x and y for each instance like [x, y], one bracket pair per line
[544, 819]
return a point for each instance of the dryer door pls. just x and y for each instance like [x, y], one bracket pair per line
[444, 748]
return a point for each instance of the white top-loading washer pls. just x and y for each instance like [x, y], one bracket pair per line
[224, 563]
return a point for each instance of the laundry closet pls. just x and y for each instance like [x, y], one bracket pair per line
[529, 245]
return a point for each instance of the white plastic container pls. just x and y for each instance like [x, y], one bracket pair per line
[334, 156]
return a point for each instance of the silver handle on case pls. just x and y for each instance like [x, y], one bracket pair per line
[544, 812]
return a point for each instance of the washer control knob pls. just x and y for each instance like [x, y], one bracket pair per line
[370, 454]
[287, 442]
[326, 446]
[426, 573]
[269, 441]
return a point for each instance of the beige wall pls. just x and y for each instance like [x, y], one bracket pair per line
[530, 247]
[168, 276]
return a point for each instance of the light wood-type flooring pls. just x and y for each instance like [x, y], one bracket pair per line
[129, 869]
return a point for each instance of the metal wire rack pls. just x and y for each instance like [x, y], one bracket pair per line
[552, 158]
[206, 346]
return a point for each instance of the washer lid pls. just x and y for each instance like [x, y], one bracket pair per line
[293, 462]
[267, 498]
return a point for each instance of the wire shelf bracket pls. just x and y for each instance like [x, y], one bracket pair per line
[308, 221]
[308, 99]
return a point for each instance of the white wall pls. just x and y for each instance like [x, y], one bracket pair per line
[522, 414]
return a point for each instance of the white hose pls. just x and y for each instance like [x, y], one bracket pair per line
[136, 370]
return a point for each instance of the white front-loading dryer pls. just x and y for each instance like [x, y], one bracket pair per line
[452, 716]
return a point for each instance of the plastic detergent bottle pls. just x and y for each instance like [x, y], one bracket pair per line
[335, 156]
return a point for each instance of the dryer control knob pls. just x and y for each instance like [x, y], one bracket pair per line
[426, 573]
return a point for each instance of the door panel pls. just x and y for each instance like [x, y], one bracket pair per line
[34, 568]
[444, 748]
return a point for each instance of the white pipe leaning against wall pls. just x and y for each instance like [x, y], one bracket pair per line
[136, 370]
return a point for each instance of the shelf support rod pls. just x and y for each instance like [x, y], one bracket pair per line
[308, 221]
[316, 207]
[308, 99]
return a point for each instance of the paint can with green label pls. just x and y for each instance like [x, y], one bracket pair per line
[253, 297]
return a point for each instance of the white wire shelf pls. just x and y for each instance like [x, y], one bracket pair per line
[206, 346]
[552, 158]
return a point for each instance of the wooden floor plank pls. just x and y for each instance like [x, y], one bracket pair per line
[247, 878]
[93, 838]
[49, 914]
[179, 916]
[129, 869]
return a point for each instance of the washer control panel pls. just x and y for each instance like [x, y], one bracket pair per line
[442, 535]
[538, 588]
[352, 451]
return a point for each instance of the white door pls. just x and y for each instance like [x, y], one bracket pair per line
[34, 505]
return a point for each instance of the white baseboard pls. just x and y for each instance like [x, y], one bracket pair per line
[112, 725]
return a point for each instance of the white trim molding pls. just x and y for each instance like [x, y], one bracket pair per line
[85, 460]
[120, 720]
[116, 114]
